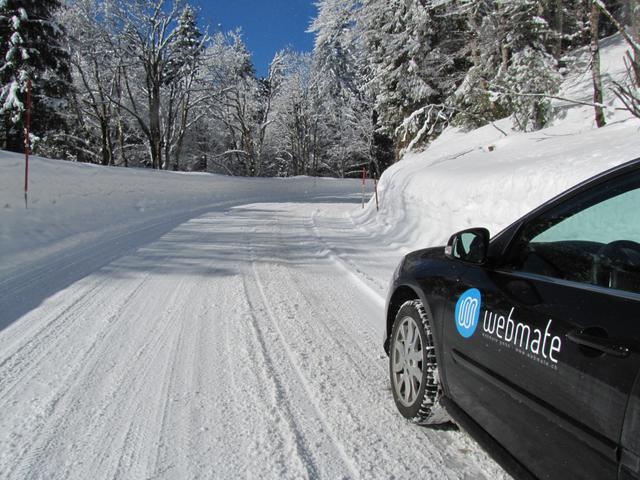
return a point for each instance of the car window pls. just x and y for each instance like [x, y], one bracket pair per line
[617, 218]
[593, 238]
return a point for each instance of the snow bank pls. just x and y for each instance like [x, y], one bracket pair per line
[484, 178]
[72, 204]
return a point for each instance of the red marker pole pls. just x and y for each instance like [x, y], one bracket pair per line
[364, 177]
[27, 143]
[375, 187]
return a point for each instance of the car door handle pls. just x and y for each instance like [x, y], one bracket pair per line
[604, 345]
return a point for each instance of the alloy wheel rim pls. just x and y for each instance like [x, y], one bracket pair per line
[407, 361]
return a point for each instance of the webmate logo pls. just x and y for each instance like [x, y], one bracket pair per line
[468, 312]
[536, 343]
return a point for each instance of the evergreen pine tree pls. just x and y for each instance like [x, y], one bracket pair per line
[397, 37]
[415, 52]
[187, 46]
[344, 108]
[513, 67]
[31, 48]
[528, 71]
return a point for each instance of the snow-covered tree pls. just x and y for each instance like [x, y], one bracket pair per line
[151, 87]
[185, 89]
[530, 77]
[92, 117]
[397, 38]
[336, 50]
[345, 109]
[31, 50]
[238, 109]
[473, 102]
[413, 49]
[628, 92]
[512, 68]
[143, 34]
[297, 127]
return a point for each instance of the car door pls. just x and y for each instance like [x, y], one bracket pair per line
[630, 442]
[553, 355]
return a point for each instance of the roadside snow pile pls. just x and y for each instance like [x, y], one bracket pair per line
[484, 178]
[73, 204]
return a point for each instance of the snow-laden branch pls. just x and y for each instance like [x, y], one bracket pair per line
[554, 97]
[621, 28]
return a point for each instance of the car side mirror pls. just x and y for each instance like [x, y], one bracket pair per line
[469, 246]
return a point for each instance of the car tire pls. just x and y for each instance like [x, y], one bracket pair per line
[413, 368]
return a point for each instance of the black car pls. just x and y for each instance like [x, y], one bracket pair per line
[531, 340]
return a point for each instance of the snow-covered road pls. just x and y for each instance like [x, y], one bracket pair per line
[242, 343]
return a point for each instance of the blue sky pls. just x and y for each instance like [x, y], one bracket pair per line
[267, 25]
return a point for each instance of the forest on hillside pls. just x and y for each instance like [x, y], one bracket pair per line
[137, 83]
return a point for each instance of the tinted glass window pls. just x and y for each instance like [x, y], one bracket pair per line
[593, 238]
[614, 219]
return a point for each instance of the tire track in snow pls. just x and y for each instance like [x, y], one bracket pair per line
[154, 427]
[131, 410]
[143, 448]
[304, 450]
[60, 423]
[351, 380]
[319, 342]
[25, 344]
[71, 358]
[280, 400]
[339, 447]
[369, 284]
[265, 366]
[121, 382]
[320, 374]
[15, 368]
[254, 397]
[175, 369]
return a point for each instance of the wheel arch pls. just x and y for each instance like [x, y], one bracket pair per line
[402, 294]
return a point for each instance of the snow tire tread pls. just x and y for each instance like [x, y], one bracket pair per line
[431, 411]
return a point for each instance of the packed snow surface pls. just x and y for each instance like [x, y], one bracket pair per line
[195, 326]
[164, 325]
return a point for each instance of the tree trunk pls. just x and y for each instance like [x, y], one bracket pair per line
[506, 55]
[103, 147]
[182, 131]
[155, 133]
[594, 20]
[106, 147]
[634, 12]
[558, 27]
[5, 134]
[178, 149]
[123, 152]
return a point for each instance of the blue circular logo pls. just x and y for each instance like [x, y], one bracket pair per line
[468, 312]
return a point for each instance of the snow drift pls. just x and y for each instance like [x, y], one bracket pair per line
[486, 178]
